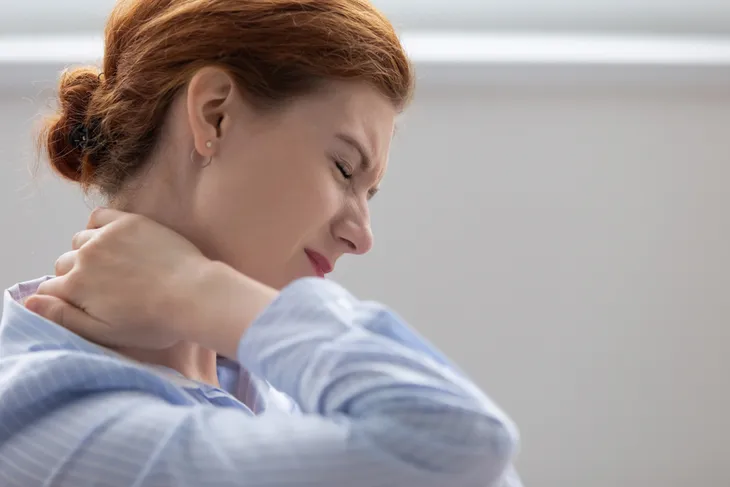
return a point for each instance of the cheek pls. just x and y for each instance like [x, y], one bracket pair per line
[308, 203]
[267, 212]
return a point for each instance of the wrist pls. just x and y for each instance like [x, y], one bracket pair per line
[178, 299]
[219, 304]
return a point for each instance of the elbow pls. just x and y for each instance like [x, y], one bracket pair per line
[459, 448]
[481, 451]
[498, 444]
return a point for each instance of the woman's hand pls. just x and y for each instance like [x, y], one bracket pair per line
[131, 282]
[123, 283]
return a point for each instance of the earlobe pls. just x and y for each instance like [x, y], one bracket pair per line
[209, 100]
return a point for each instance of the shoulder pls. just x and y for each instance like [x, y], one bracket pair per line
[43, 367]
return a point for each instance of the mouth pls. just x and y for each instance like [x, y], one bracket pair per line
[320, 263]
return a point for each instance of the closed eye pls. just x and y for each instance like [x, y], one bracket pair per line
[343, 170]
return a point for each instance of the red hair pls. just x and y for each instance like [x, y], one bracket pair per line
[274, 49]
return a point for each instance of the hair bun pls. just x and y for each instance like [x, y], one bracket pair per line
[65, 134]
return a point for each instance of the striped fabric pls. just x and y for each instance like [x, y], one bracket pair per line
[330, 392]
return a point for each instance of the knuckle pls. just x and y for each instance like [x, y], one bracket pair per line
[43, 288]
[95, 213]
[77, 239]
[73, 282]
[65, 263]
[83, 253]
[89, 250]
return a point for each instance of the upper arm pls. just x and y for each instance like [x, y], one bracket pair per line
[136, 439]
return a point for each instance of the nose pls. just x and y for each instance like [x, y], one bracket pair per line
[354, 232]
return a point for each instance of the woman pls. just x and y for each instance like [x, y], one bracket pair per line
[239, 143]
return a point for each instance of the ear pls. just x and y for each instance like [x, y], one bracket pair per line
[211, 96]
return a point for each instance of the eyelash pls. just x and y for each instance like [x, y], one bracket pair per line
[343, 169]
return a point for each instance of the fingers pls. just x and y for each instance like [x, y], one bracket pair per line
[104, 216]
[64, 314]
[65, 263]
[54, 287]
[49, 307]
[81, 238]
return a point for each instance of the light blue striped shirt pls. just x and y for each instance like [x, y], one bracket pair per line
[336, 392]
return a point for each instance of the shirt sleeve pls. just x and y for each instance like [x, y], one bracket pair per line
[381, 407]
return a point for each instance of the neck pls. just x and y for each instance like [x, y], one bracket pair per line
[151, 198]
[190, 359]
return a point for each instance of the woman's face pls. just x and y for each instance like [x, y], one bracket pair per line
[286, 193]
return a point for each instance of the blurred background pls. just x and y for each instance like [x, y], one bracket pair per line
[555, 216]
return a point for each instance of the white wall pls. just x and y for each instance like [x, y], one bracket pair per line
[567, 246]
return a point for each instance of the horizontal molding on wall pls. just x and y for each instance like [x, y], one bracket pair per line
[454, 59]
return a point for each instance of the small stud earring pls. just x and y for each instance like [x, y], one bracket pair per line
[209, 144]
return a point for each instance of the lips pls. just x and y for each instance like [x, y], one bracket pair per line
[320, 263]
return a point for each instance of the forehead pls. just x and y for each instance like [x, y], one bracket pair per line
[355, 109]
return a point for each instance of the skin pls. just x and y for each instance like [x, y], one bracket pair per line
[259, 188]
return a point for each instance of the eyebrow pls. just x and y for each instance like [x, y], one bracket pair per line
[366, 160]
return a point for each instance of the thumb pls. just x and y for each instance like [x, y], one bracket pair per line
[62, 313]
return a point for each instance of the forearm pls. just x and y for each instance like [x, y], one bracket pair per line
[315, 333]
[217, 304]
[381, 406]
[338, 356]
